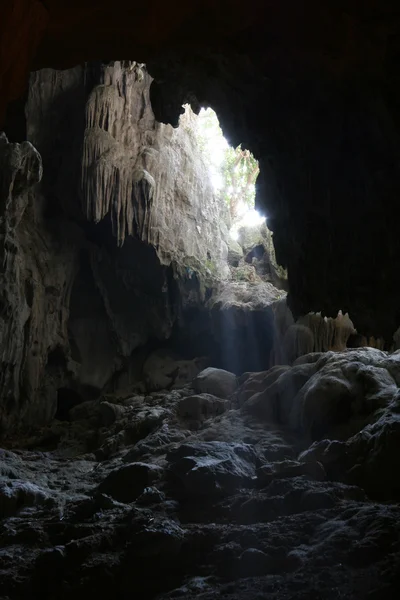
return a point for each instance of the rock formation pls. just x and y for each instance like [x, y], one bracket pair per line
[120, 247]
[299, 85]
[310, 333]
[123, 233]
[282, 482]
[139, 460]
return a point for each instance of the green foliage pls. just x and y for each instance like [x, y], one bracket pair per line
[211, 266]
[238, 169]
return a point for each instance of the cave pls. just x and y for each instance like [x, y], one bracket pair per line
[192, 405]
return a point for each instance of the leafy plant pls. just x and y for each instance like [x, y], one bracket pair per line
[237, 168]
[240, 170]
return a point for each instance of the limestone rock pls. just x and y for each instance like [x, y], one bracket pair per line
[337, 393]
[280, 470]
[235, 252]
[212, 468]
[201, 406]
[217, 382]
[160, 539]
[157, 442]
[311, 333]
[254, 563]
[245, 295]
[298, 340]
[259, 251]
[274, 403]
[253, 515]
[17, 495]
[110, 413]
[76, 305]
[258, 382]
[163, 369]
[145, 158]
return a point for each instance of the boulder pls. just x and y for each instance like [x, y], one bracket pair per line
[201, 406]
[163, 369]
[254, 563]
[211, 468]
[312, 470]
[17, 495]
[110, 413]
[282, 385]
[157, 442]
[217, 382]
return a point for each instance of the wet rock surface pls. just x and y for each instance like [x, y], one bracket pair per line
[241, 504]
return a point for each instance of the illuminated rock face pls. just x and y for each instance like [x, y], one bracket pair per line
[110, 248]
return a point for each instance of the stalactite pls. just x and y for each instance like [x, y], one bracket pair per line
[113, 180]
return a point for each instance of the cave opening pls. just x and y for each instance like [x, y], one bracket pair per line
[234, 170]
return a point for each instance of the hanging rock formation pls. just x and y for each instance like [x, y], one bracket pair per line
[109, 249]
[147, 176]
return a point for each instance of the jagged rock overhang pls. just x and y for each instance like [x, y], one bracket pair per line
[310, 88]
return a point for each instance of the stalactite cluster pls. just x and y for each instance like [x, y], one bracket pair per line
[113, 179]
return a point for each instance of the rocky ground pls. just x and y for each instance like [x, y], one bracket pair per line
[282, 485]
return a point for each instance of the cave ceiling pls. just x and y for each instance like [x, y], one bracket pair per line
[312, 88]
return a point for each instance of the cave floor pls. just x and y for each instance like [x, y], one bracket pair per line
[144, 498]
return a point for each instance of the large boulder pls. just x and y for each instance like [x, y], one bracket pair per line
[216, 382]
[212, 468]
[333, 394]
[274, 402]
[200, 407]
[164, 369]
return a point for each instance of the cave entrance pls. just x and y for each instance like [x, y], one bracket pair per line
[233, 170]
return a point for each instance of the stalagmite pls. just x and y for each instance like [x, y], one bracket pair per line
[329, 334]
[310, 333]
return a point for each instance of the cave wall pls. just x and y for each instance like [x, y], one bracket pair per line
[328, 149]
[38, 267]
[311, 88]
[103, 252]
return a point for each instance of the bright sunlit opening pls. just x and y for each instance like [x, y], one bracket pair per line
[214, 144]
[250, 218]
[233, 172]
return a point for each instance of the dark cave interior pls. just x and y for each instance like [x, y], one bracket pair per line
[184, 414]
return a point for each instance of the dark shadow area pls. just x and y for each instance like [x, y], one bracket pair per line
[67, 398]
